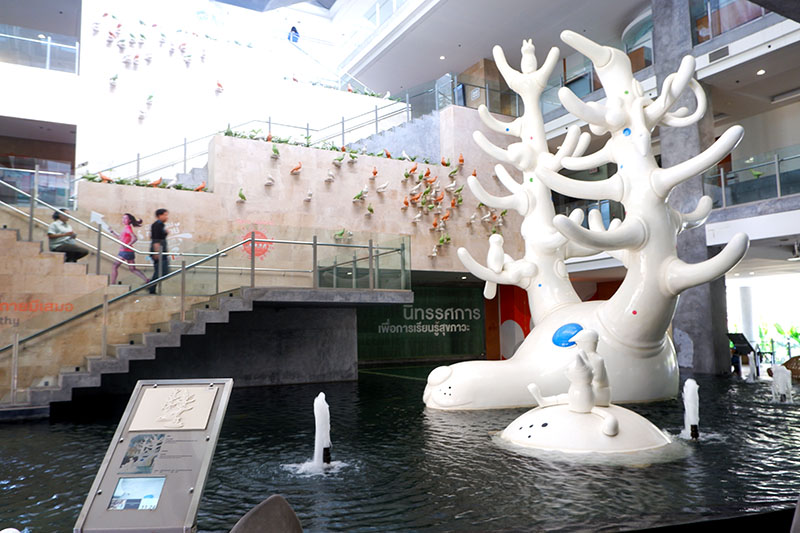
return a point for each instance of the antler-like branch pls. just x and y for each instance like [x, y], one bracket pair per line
[517, 201]
[607, 189]
[585, 162]
[680, 276]
[666, 179]
[631, 234]
[517, 272]
[671, 89]
[508, 128]
[696, 218]
[520, 155]
[506, 179]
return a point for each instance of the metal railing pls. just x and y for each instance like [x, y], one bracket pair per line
[37, 50]
[373, 254]
[96, 248]
[342, 132]
[775, 177]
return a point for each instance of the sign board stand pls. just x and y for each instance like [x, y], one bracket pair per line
[154, 471]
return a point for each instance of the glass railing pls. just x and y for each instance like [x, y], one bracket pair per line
[711, 18]
[270, 256]
[52, 181]
[25, 46]
[769, 175]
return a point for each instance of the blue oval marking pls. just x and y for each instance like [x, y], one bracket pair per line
[506, 129]
[626, 132]
[563, 335]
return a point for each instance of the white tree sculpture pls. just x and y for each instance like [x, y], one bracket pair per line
[632, 325]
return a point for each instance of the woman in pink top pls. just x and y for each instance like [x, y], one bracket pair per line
[126, 252]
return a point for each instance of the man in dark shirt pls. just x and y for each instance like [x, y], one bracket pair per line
[158, 243]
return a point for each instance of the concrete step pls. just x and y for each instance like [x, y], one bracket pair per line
[106, 365]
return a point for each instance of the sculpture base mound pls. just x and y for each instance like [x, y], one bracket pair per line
[556, 428]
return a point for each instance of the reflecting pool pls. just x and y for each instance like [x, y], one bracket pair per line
[407, 468]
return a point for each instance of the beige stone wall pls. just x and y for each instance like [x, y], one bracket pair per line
[279, 211]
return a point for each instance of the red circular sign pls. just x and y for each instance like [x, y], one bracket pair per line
[261, 247]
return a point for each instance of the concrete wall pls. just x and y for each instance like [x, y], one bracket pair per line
[421, 138]
[266, 346]
[769, 131]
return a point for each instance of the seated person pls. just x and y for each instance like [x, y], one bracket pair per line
[62, 238]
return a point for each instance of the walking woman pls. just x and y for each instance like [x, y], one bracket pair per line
[126, 251]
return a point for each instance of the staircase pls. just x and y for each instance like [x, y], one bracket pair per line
[141, 346]
[420, 137]
[194, 178]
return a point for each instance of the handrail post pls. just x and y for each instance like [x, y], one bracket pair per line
[335, 270]
[184, 155]
[402, 265]
[376, 119]
[486, 91]
[777, 162]
[269, 125]
[14, 367]
[408, 108]
[216, 273]
[722, 184]
[343, 143]
[378, 266]
[160, 269]
[354, 270]
[99, 247]
[34, 195]
[308, 134]
[314, 265]
[252, 259]
[104, 335]
[47, 58]
[77, 55]
[183, 290]
[370, 270]
[138, 159]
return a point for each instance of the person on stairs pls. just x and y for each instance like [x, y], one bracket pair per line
[126, 251]
[158, 246]
[62, 238]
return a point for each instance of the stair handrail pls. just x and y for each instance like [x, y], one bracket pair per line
[147, 285]
[252, 240]
[96, 229]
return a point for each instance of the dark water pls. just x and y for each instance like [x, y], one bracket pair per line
[409, 469]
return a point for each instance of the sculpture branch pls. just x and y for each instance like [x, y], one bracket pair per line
[608, 189]
[506, 179]
[680, 276]
[631, 234]
[506, 128]
[663, 180]
[517, 201]
[699, 215]
[517, 273]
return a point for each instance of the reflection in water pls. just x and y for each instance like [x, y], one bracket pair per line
[415, 469]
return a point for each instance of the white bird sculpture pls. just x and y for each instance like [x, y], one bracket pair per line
[382, 188]
[495, 258]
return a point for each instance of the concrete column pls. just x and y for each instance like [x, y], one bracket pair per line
[700, 323]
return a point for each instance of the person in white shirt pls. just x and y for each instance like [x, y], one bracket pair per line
[62, 238]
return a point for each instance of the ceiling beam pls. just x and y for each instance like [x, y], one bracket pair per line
[790, 10]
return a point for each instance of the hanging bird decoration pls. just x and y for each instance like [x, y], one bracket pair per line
[275, 152]
[434, 252]
[427, 172]
[435, 223]
[270, 181]
[439, 198]
[451, 187]
[155, 183]
[445, 163]
[446, 216]
[219, 88]
[461, 160]
[330, 177]
[361, 194]
[452, 173]
[105, 179]
[269, 137]
[353, 157]
[309, 194]
[413, 169]
[370, 210]
[415, 198]
[242, 197]
[374, 172]
[387, 154]
[405, 203]
[339, 235]
[475, 172]
[200, 187]
[417, 218]
[338, 160]
[297, 169]
[415, 189]
[382, 187]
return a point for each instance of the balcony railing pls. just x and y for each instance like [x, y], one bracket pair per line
[25, 46]
[711, 18]
[771, 175]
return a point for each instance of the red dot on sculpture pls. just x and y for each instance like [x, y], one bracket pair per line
[634, 312]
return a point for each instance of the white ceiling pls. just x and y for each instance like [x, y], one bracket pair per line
[464, 31]
[37, 130]
[48, 16]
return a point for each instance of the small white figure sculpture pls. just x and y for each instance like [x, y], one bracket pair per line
[309, 195]
[178, 402]
[270, 181]
[382, 188]
[322, 431]
[330, 177]
[574, 422]
[781, 384]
